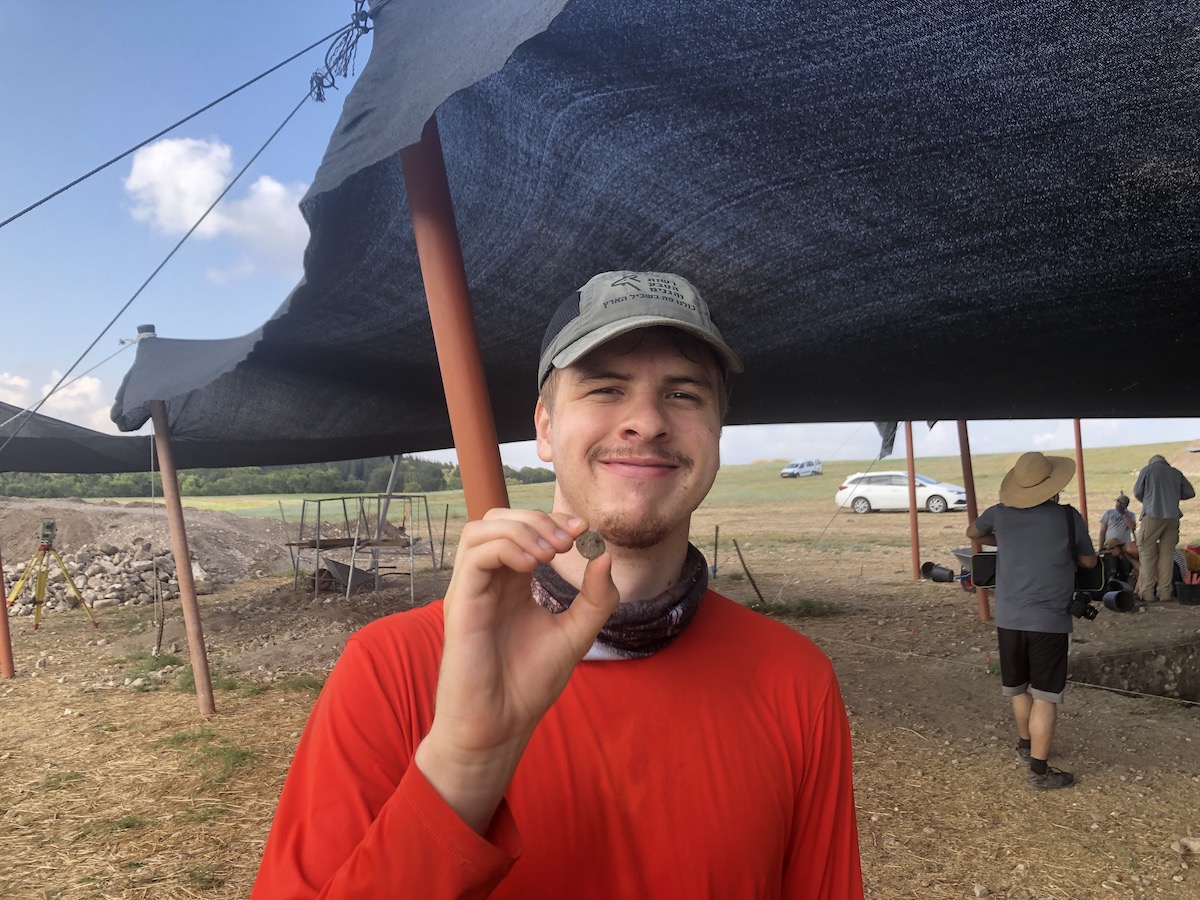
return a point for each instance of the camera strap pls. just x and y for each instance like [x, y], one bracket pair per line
[1068, 509]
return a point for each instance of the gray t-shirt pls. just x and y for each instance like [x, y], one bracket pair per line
[1118, 525]
[1160, 487]
[1035, 573]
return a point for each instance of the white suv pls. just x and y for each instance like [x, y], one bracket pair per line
[802, 469]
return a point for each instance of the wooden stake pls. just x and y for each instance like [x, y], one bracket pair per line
[746, 569]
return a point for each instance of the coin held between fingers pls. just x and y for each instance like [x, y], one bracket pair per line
[590, 544]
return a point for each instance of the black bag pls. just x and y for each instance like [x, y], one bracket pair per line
[983, 565]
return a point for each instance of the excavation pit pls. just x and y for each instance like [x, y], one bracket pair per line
[1169, 671]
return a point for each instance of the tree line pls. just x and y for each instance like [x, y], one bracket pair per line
[356, 476]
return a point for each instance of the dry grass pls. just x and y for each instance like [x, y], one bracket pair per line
[129, 794]
[934, 821]
[111, 792]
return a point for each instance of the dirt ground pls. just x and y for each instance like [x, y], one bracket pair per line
[110, 788]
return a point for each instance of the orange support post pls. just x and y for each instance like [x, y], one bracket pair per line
[1079, 471]
[968, 470]
[183, 559]
[450, 314]
[914, 535]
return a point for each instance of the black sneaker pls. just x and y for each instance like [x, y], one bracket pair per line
[1024, 754]
[1051, 781]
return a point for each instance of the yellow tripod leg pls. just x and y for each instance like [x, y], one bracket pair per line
[82, 604]
[29, 569]
[39, 593]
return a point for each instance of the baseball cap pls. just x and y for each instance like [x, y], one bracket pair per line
[613, 303]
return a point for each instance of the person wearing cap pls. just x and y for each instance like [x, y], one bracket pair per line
[606, 726]
[1118, 522]
[1039, 546]
[1160, 487]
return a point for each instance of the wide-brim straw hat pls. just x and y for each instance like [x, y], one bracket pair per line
[1035, 478]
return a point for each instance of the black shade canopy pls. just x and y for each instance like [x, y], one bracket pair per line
[37, 443]
[896, 211]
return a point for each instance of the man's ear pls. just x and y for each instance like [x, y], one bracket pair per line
[541, 423]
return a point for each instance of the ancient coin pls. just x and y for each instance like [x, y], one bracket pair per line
[590, 544]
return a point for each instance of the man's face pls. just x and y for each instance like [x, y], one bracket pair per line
[634, 436]
[1122, 504]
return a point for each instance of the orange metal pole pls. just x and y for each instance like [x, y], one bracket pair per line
[915, 538]
[183, 559]
[1079, 471]
[968, 470]
[454, 335]
[7, 669]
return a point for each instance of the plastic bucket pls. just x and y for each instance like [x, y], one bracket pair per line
[1120, 601]
[935, 572]
[1188, 594]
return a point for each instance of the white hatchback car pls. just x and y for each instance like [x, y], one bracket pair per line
[801, 469]
[867, 491]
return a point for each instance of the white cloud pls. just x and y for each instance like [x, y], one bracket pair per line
[14, 389]
[172, 183]
[83, 401]
[81, 395]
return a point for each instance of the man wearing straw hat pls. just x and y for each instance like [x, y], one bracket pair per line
[1041, 544]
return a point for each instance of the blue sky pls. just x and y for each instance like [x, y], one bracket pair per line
[94, 79]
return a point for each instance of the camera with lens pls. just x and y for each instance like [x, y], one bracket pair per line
[1081, 606]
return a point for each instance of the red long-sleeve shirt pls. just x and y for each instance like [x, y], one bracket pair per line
[718, 767]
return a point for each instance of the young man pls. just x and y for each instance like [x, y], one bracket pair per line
[1039, 546]
[569, 727]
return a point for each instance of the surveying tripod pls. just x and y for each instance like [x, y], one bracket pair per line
[39, 568]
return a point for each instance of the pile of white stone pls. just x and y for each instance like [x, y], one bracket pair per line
[105, 576]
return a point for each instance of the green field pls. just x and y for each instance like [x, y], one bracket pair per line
[1107, 471]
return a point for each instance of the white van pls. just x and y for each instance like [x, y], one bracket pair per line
[802, 468]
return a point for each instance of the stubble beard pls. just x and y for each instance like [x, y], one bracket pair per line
[622, 531]
[633, 531]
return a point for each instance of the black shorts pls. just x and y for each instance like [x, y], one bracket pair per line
[1033, 661]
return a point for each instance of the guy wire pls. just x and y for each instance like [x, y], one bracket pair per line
[157, 269]
[170, 128]
[338, 60]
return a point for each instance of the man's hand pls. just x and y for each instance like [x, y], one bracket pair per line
[506, 659]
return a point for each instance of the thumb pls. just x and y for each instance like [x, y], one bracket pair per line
[597, 600]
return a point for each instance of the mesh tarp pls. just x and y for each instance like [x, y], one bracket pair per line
[896, 211]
